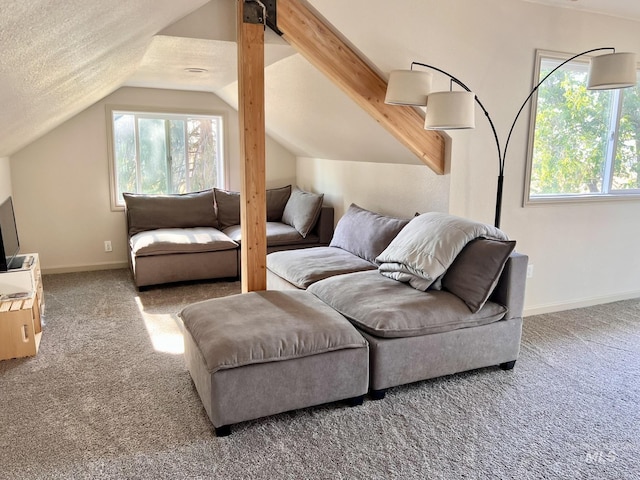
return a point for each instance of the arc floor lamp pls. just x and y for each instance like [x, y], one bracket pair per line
[451, 109]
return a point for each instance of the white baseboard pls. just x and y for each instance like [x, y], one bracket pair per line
[85, 268]
[528, 310]
[581, 303]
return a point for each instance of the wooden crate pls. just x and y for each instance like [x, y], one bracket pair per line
[20, 327]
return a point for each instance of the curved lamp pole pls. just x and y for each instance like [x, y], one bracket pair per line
[625, 77]
[495, 136]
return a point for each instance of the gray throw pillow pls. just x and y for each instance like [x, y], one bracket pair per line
[228, 207]
[302, 210]
[150, 212]
[228, 203]
[365, 233]
[476, 270]
[276, 201]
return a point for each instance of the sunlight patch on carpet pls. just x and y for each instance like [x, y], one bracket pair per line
[163, 330]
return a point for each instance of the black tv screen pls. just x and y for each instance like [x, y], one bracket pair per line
[9, 244]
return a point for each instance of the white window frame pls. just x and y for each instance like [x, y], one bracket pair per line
[223, 170]
[608, 193]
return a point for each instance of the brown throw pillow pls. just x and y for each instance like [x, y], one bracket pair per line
[228, 207]
[476, 270]
[276, 201]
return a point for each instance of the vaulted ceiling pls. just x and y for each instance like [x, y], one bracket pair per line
[58, 58]
[61, 57]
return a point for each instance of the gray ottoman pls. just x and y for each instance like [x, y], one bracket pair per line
[261, 353]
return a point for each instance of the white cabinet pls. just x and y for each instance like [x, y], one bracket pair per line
[21, 280]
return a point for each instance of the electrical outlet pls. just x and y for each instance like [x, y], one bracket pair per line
[107, 246]
[529, 271]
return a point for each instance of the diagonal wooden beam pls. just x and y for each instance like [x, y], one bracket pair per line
[314, 39]
[253, 214]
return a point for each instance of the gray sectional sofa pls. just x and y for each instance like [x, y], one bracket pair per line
[196, 236]
[432, 296]
[389, 301]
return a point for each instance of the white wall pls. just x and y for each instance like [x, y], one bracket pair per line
[390, 189]
[5, 178]
[583, 253]
[61, 181]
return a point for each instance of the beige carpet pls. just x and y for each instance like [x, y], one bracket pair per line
[108, 396]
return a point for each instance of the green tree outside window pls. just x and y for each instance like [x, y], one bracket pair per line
[586, 143]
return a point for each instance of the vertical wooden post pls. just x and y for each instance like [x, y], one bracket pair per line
[252, 151]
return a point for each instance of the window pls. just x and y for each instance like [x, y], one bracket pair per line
[583, 144]
[164, 152]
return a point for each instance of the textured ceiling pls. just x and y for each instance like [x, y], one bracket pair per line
[65, 57]
[58, 58]
[167, 58]
[205, 39]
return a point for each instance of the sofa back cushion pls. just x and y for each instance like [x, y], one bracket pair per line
[302, 210]
[277, 199]
[227, 207]
[364, 233]
[150, 212]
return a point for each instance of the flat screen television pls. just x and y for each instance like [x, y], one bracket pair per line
[9, 243]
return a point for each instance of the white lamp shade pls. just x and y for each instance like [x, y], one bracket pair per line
[408, 87]
[450, 110]
[612, 70]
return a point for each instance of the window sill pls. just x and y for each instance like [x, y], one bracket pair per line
[569, 199]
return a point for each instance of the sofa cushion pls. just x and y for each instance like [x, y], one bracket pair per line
[476, 270]
[166, 241]
[365, 233]
[149, 212]
[302, 210]
[277, 199]
[308, 265]
[277, 234]
[232, 331]
[386, 308]
[227, 207]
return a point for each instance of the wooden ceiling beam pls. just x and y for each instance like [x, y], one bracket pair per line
[315, 39]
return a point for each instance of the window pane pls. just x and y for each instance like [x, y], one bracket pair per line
[202, 152]
[165, 153]
[124, 146]
[153, 155]
[626, 174]
[179, 181]
[571, 133]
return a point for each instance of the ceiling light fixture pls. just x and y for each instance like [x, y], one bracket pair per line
[455, 109]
